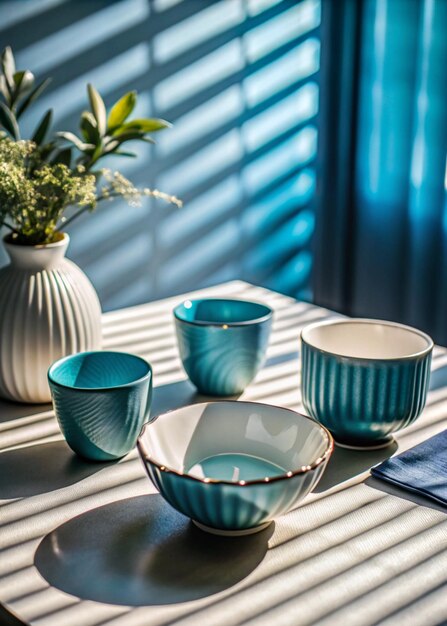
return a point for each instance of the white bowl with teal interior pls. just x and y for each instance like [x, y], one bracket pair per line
[231, 466]
[364, 379]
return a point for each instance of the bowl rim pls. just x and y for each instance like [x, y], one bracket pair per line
[51, 379]
[362, 320]
[255, 320]
[240, 483]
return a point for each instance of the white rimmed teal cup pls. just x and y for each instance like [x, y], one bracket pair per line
[101, 400]
[364, 379]
[222, 342]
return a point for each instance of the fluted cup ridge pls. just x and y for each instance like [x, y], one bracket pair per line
[364, 379]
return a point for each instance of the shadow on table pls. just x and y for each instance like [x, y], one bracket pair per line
[345, 464]
[10, 411]
[404, 494]
[166, 398]
[140, 551]
[438, 378]
[42, 468]
[9, 619]
[178, 394]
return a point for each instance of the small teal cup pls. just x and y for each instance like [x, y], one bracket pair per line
[101, 401]
[364, 379]
[222, 343]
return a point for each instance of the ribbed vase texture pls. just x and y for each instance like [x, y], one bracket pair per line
[48, 309]
[363, 401]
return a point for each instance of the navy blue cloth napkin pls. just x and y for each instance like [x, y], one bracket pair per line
[422, 469]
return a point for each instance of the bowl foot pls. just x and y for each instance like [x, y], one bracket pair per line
[231, 533]
[375, 445]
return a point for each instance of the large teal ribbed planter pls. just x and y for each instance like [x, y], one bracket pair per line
[101, 401]
[222, 343]
[364, 379]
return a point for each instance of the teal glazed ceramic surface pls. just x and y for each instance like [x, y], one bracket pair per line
[222, 343]
[233, 466]
[101, 401]
[364, 379]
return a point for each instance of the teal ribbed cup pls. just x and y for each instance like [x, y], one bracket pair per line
[101, 401]
[222, 343]
[364, 379]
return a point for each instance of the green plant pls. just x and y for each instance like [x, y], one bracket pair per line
[42, 177]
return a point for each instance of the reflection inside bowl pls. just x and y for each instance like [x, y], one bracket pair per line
[235, 467]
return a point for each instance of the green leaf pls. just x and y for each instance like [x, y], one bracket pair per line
[8, 121]
[42, 129]
[72, 138]
[8, 66]
[46, 149]
[4, 89]
[33, 96]
[144, 125]
[97, 153]
[121, 110]
[23, 81]
[63, 156]
[110, 146]
[89, 128]
[123, 153]
[131, 135]
[98, 109]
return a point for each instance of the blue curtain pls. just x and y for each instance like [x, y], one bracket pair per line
[384, 182]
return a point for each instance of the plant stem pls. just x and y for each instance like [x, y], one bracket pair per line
[70, 219]
[86, 208]
[109, 195]
[14, 230]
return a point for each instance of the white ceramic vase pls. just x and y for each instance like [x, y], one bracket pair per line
[48, 309]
